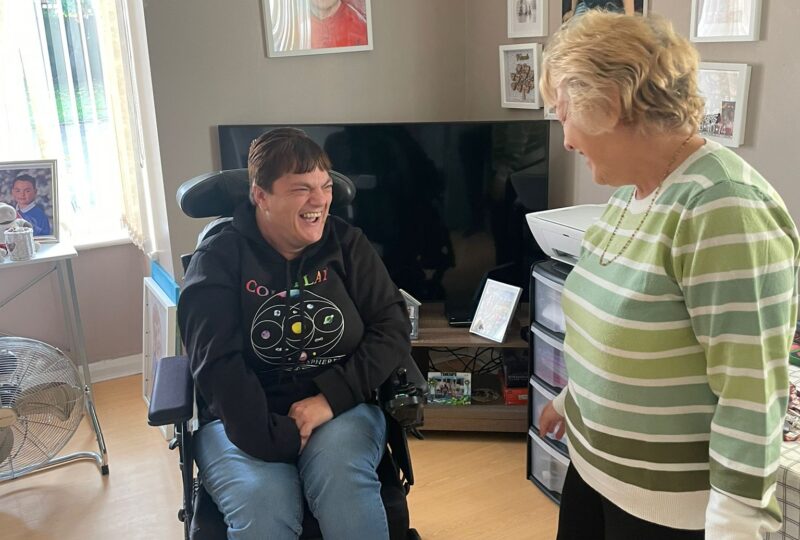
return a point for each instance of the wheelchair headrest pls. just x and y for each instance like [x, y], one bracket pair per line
[219, 193]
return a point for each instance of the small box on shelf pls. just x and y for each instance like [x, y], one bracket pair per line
[515, 396]
[412, 305]
[516, 370]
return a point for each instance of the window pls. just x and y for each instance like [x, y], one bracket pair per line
[65, 95]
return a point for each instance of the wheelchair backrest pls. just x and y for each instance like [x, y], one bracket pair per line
[217, 194]
[208, 231]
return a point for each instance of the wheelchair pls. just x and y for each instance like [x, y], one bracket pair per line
[172, 399]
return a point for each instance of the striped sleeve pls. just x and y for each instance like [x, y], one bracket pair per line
[735, 258]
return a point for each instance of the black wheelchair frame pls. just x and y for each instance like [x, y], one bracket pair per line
[172, 398]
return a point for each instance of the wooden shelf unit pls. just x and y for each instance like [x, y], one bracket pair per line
[434, 332]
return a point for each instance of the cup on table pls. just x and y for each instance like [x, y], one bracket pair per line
[19, 242]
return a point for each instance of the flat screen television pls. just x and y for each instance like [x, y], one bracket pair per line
[444, 203]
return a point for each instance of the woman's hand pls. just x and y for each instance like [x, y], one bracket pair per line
[550, 421]
[309, 414]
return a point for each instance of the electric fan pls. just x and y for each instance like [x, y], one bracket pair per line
[41, 404]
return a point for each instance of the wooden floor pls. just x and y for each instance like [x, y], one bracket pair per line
[469, 486]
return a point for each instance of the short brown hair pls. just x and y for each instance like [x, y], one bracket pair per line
[25, 178]
[642, 62]
[283, 151]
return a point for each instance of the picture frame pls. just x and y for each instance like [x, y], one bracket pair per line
[497, 306]
[550, 113]
[31, 188]
[725, 88]
[449, 388]
[527, 18]
[725, 20]
[519, 76]
[301, 28]
[159, 334]
[640, 7]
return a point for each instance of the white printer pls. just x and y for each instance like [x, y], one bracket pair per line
[559, 232]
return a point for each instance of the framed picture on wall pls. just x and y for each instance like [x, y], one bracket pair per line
[527, 18]
[159, 335]
[725, 88]
[550, 113]
[578, 7]
[30, 187]
[519, 76]
[295, 28]
[725, 20]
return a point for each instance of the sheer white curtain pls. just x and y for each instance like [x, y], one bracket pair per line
[65, 94]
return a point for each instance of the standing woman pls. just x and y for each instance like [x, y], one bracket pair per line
[681, 309]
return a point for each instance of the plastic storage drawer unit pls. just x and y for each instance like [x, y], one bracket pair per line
[548, 357]
[548, 284]
[548, 466]
[541, 397]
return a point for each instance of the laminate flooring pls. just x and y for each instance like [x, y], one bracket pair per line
[468, 485]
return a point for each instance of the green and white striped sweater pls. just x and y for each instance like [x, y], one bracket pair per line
[677, 352]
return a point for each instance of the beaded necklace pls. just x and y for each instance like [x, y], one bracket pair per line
[647, 212]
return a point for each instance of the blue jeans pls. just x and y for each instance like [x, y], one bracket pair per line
[336, 472]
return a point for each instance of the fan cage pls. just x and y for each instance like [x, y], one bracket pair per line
[41, 387]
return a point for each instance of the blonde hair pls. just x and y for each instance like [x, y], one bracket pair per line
[650, 70]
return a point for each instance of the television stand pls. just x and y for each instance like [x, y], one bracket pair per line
[435, 332]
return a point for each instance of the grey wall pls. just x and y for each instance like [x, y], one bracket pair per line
[770, 143]
[433, 60]
[209, 67]
[109, 285]
[486, 30]
[772, 117]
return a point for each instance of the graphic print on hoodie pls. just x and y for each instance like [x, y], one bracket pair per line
[297, 334]
[263, 333]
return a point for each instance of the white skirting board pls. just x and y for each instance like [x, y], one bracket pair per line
[114, 368]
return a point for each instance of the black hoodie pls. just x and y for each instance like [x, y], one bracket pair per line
[263, 332]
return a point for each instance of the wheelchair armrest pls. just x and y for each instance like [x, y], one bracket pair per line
[403, 395]
[172, 399]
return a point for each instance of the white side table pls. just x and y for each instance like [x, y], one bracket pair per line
[58, 258]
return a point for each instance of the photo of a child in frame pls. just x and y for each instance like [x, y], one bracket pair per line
[29, 187]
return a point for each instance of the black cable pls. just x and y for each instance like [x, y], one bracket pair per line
[471, 363]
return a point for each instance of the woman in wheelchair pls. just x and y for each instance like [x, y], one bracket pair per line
[291, 321]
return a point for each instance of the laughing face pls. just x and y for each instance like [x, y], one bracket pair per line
[292, 216]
